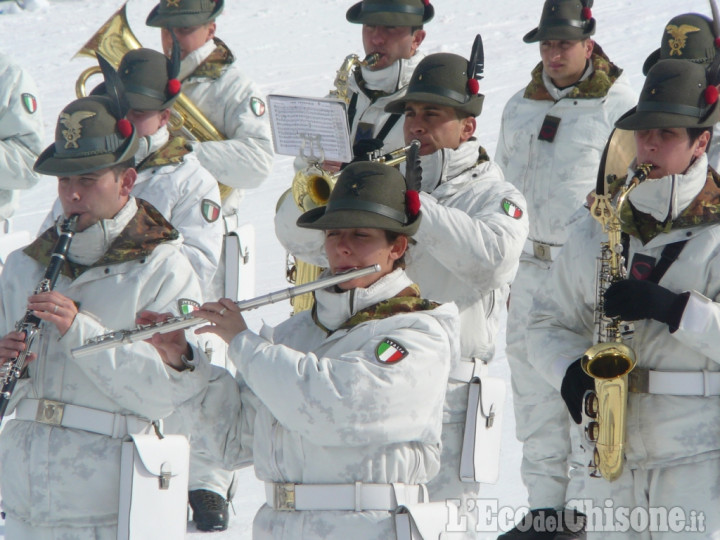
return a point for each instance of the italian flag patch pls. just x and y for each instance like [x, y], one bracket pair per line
[210, 210]
[185, 306]
[511, 209]
[390, 351]
[29, 102]
[257, 106]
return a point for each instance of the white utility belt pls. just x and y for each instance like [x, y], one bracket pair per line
[56, 413]
[542, 251]
[674, 383]
[355, 497]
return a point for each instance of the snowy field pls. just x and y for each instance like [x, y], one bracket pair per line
[294, 47]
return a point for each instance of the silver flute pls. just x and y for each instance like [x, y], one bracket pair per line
[145, 331]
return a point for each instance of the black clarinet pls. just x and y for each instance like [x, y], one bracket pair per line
[30, 323]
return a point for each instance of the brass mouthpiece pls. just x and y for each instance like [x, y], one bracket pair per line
[642, 171]
[370, 60]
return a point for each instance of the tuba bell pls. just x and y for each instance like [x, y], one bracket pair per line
[112, 41]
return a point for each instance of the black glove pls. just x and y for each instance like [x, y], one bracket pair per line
[574, 385]
[549, 524]
[363, 147]
[634, 299]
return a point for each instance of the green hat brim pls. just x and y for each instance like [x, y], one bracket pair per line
[635, 120]
[473, 107]
[650, 61]
[356, 15]
[559, 32]
[47, 163]
[184, 20]
[317, 218]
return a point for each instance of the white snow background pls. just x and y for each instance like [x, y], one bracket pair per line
[294, 47]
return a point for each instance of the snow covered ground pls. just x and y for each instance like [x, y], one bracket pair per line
[294, 47]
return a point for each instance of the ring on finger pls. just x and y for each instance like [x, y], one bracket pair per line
[222, 311]
[55, 308]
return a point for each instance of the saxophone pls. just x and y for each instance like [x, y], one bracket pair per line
[610, 360]
[30, 323]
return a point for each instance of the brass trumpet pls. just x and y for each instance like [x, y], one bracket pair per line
[609, 361]
[113, 40]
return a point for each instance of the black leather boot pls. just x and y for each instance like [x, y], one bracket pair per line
[549, 524]
[210, 510]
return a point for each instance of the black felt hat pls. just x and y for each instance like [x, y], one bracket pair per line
[676, 94]
[564, 20]
[442, 79]
[391, 12]
[367, 195]
[90, 135]
[184, 13]
[689, 36]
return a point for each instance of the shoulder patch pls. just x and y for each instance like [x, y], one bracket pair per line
[185, 306]
[210, 210]
[29, 102]
[511, 209]
[390, 351]
[257, 105]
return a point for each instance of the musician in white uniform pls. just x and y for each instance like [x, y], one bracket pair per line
[59, 474]
[671, 235]
[342, 405]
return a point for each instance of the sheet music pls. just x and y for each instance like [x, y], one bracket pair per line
[317, 127]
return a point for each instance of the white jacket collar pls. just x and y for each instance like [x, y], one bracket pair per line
[446, 164]
[89, 245]
[670, 195]
[334, 308]
[150, 144]
[392, 78]
[195, 58]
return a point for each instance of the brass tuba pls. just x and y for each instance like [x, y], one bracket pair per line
[609, 361]
[113, 40]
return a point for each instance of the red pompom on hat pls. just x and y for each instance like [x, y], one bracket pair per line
[473, 86]
[173, 87]
[124, 127]
[711, 95]
[586, 13]
[412, 202]
[717, 42]
[426, 2]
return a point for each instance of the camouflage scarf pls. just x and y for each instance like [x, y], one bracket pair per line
[704, 209]
[406, 301]
[146, 230]
[595, 86]
[214, 64]
[172, 151]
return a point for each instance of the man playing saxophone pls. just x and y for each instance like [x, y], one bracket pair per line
[124, 259]
[670, 235]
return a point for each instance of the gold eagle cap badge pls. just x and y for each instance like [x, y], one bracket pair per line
[74, 130]
[173, 3]
[679, 37]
